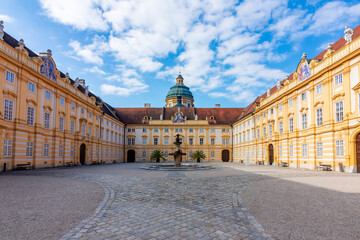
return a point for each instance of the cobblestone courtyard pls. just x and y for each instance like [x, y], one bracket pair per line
[234, 201]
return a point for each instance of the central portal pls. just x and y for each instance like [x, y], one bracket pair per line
[271, 154]
[82, 153]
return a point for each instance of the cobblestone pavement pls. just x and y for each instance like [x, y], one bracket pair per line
[140, 204]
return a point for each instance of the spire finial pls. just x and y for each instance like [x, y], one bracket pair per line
[179, 71]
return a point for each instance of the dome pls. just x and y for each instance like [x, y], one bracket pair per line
[179, 90]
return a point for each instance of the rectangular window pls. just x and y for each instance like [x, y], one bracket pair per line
[319, 117]
[201, 130]
[62, 101]
[96, 133]
[72, 106]
[31, 87]
[10, 76]
[225, 141]
[82, 110]
[304, 150]
[339, 148]
[90, 133]
[280, 107]
[155, 141]
[339, 111]
[291, 125]
[304, 121]
[166, 141]
[270, 130]
[264, 115]
[166, 154]
[191, 130]
[318, 88]
[281, 128]
[212, 130]
[90, 116]
[258, 134]
[29, 149]
[264, 132]
[166, 130]
[212, 141]
[7, 148]
[47, 94]
[72, 127]
[156, 130]
[212, 154]
[83, 130]
[272, 111]
[144, 130]
[338, 79]
[71, 151]
[30, 116]
[8, 110]
[61, 149]
[47, 120]
[280, 151]
[131, 141]
[303, 96]
[144, 141]
[319, 149]
[191, 141]
[291, 150]
[144, 154]
[291, 102]
[46, 150]
[201, 141]
[61, 124]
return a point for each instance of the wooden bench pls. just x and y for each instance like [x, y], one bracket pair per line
[23, 166]
[283, 164]
[325, 167]
[69, 164]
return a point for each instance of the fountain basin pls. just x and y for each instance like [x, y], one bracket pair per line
[171, 167]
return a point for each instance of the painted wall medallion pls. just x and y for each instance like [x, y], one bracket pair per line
[48, 70]
[304, 71]
[179, 118]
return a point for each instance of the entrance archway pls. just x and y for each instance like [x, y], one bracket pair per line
[358, 153]
[130, 156]
[271, 154]
[82, 153]
[225, 155]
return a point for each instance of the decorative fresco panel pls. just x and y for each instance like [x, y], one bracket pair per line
[179, 118]
[48, 69]
[304, 71]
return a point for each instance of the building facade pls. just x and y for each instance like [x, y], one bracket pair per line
[311, 118]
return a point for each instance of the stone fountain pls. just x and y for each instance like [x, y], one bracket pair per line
[177, 166]
[178, 153]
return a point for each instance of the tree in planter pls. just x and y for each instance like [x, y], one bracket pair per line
[198, 155]
[157, 154]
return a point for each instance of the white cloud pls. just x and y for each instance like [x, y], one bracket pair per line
[218, 44]
[6, 18]
[82, 14]
[91, 53]
[95, 70]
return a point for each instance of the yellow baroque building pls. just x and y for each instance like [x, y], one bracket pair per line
[309, 120]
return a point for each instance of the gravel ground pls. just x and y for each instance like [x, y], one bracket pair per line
[310, 207]
[42, 207]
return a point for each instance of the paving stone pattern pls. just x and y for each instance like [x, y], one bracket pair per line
[173, 207]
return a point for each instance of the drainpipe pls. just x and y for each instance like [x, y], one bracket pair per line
[124, 142]
[232, 143]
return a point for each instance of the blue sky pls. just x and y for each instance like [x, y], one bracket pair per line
[130, 52]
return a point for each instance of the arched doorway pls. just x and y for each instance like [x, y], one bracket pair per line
[130, 156]
[225, 155]
[358, 153]
[82, 153]
[271, 154]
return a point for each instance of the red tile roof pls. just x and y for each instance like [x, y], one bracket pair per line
[221, 115]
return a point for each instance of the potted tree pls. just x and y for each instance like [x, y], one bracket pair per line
[157, 154]
[198, 155]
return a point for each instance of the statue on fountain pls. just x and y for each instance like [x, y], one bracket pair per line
[178, 153]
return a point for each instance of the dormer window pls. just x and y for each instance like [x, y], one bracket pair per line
[212, 118]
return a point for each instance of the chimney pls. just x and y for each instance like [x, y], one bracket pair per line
[217, 105]
[82, 82]
[147, 105]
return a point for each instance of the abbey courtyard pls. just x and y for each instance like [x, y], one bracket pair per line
[283, 167]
